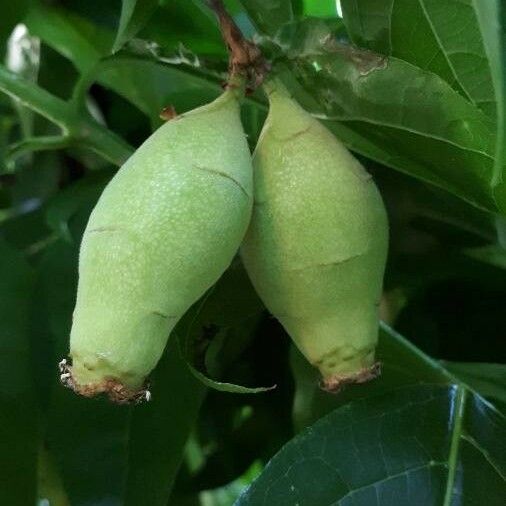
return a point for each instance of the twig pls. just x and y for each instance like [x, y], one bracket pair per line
[246, 59]
[75, 128]
[42, 143]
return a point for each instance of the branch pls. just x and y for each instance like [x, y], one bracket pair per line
[245, 58]
[75, 128]
[42, 143]
[35, 98]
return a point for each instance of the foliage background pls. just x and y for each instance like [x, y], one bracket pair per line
[417, 89]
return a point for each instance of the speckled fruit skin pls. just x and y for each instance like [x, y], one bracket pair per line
[317, 244]
[164, 230]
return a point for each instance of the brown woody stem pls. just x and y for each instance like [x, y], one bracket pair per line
[245, 59]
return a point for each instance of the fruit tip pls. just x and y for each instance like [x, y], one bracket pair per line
[116, 391]
[335, 383]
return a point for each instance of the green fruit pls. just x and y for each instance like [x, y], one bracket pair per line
[317, 243]
[164, 230]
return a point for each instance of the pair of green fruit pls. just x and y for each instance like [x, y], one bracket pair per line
[314, 242]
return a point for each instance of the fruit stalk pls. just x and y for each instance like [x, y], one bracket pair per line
[245, 59]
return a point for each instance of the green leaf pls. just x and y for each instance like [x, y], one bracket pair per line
[18, 418]
[225, 495]
[368, 23]
[160, 429]
[269, 15]
[404, 115]
[304, 36]
[466, 55]
[77, 39]
[228, 312]
[84, 44]
[472, 63]
[432, 207]
[320, 8]
[500, 225]
[25, 231]
[37, 99]
[487, 379]
[492, 20]
[423, 445]
[185, 22]
[405, 368]
[134, 15]
[381, 27]
[401, 116]
[162, 85]
[88, 440]
[167, 75]
[222, 386]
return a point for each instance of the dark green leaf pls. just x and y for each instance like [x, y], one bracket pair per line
[85, 44]
[26, 231]
[228, 312]
[305, 36]
[159, 430]
[375, 99]
[36, 181]
[185, 22]
[269, 15]
[18, 417]
[50, 485]
[422, 445]
[106, 452]
[368, 23]
[12, 14]
[226, 495]
[76, 38]
[88, 438]
[415, 207]
[487, 379]
[493, 255]
[89, 441]
[70, 201]
[134, 15]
